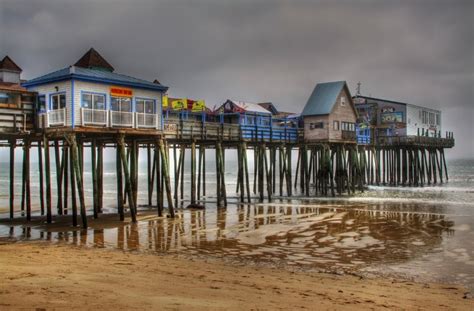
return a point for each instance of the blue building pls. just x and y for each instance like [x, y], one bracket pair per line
[257, 122]
[91, 94]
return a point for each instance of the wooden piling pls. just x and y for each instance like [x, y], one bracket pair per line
[47, 167]
[95, 184]
[65, 172]
[59, 177]
[77, 173]
[118, 167]
[165, 169]
[128, 178]
[41, 176]
[12, 177]
[193, 172]
[73, 188]
[26, 148]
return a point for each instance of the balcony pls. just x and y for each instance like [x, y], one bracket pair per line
[348, 135]
[102, 118]
[56, 117]
[146, 120]
[94, 117]
[122, 119]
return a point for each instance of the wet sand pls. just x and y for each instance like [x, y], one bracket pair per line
[410, 241]
[57, 276]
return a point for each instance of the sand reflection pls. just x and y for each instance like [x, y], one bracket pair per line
[323, 236]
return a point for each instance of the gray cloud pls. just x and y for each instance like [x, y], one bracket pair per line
[415, 51]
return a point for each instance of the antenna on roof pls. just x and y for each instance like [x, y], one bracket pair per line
[358, 88]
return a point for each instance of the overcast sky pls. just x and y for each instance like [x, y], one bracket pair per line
[421, 52]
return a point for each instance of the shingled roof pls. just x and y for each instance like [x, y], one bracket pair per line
[240, 106]
[8, 64]
[93, 60]
[323, 98]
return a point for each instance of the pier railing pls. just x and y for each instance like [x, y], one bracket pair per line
[414, 140]
[195, 129]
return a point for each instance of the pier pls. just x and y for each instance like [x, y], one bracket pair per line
[88, 108]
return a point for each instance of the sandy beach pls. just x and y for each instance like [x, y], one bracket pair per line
[44, 276]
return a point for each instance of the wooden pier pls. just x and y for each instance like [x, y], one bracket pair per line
[322, 169]
[88, 108]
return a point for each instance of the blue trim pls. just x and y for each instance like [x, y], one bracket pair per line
[45, 104]
[161, 110]
[51, 95]
[73, 121]
[92, 79]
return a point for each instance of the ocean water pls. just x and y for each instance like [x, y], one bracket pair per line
[424, 234]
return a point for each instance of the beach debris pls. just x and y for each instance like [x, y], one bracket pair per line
[195, 206]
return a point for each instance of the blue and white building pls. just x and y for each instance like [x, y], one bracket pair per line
[91, 94]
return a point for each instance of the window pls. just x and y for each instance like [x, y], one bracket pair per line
[336, 125]
[10, 99]
[42, 103]
[145, 106]
[348, 126]
[123, 104]
[343, 100]
[93, 101]
[317, 125]
[3, 98]
[58, 101]
[265, 121]
[424, 118]
[438, 119]
[250, 120]
[432, 118]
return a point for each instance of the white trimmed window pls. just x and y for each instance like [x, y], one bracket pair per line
[58, 101]
[123, 104]
[145, 106]
[93, 101]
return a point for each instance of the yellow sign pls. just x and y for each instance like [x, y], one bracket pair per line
[121, 92]
[183, 104]
[198, 106]
[179, 103]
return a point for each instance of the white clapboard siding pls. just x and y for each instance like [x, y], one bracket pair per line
[50, 88]
[102, 88]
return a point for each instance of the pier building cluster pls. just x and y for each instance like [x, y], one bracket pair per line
[341, 142]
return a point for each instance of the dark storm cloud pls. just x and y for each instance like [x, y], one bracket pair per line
[415, 51]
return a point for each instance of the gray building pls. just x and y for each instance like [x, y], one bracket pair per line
[392, 118]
